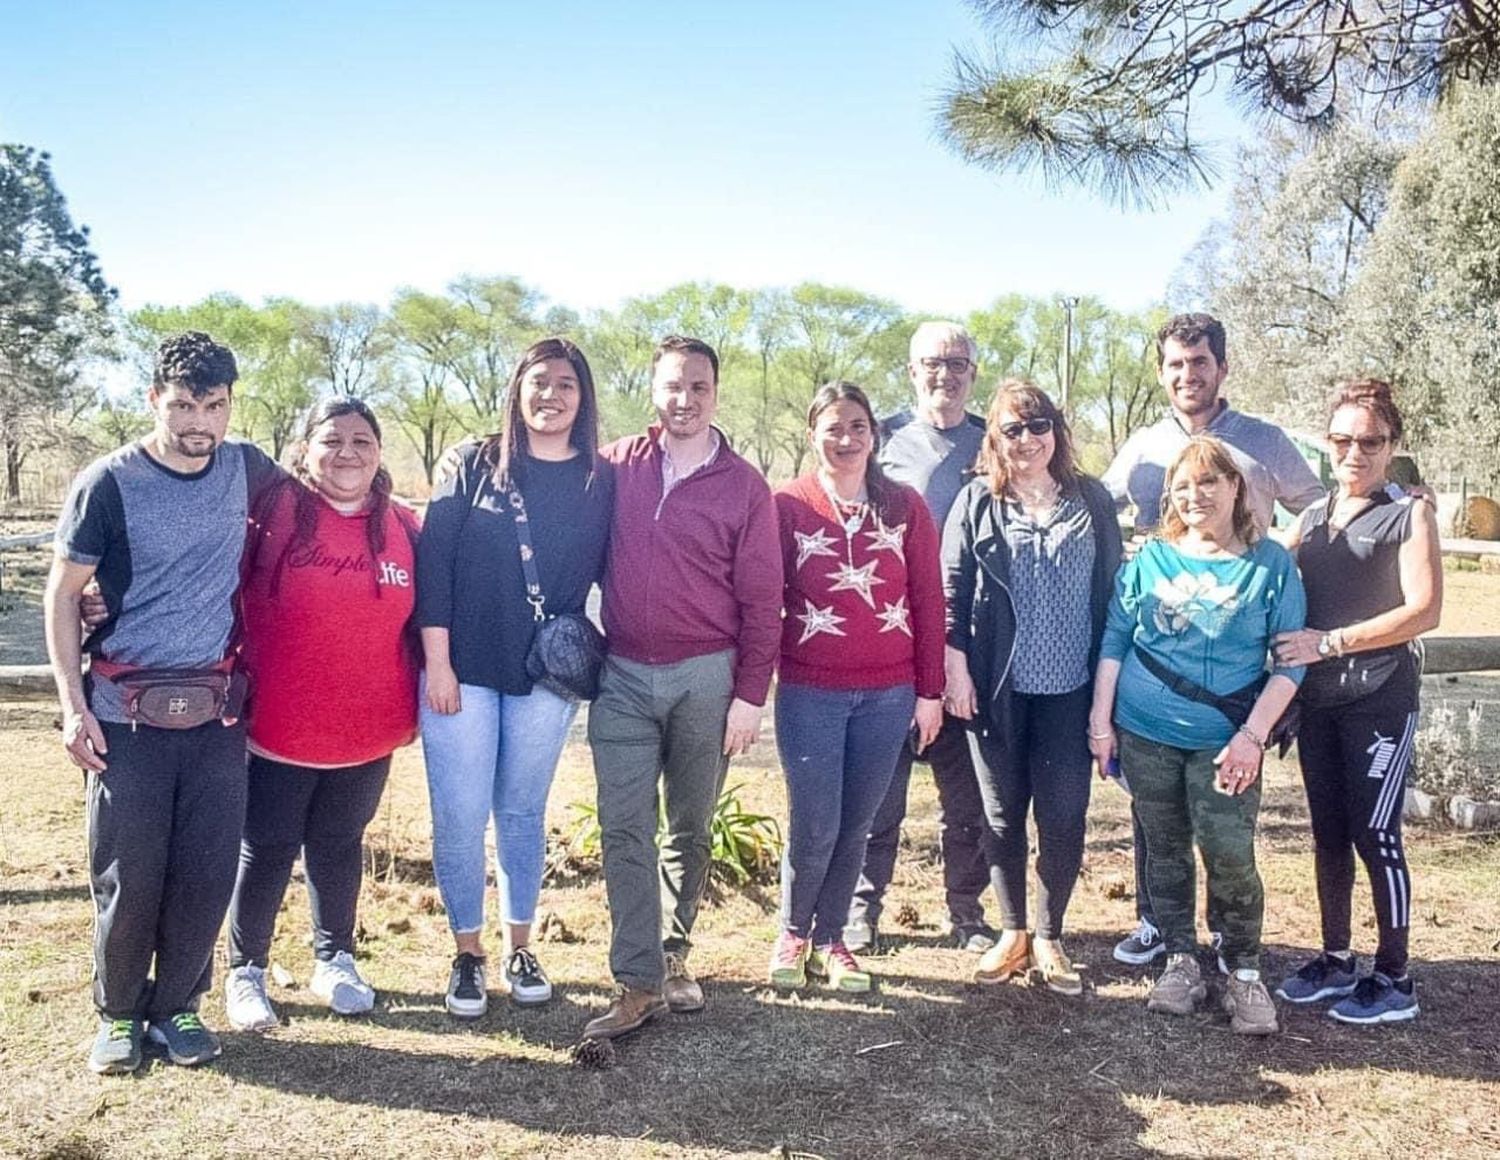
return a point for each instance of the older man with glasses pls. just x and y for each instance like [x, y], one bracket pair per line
[932, 447]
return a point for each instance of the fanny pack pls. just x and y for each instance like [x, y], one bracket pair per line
[167, 698]
[1234, 706]
[1344, 680]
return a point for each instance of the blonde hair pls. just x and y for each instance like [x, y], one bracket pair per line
[1205, 453]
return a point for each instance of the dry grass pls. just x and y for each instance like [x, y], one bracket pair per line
[929, 1065]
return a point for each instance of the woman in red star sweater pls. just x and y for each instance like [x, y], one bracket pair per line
[861, 664]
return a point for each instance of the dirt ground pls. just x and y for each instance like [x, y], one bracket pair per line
[928, 1065]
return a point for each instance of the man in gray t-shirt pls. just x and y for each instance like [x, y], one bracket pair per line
[1192, 363]
[161, 526]
[932, 448]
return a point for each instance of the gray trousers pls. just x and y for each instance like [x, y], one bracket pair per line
[657, 724]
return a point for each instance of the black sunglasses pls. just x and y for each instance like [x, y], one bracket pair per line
[1369, 444]
[1038, 427]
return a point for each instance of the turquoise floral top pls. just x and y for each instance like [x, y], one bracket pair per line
[1210, 621]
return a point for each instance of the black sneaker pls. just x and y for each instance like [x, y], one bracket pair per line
[525, 980]
[1377, 998]
[974, 937]
[466, 997]
[187, 1040]
[1142, 946]
[1325, 977]
[117, 1047]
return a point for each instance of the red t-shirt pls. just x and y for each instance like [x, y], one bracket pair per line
[333, 677]
[864, 608]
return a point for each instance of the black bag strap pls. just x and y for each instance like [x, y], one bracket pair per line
[534, 594]
[1235, 706]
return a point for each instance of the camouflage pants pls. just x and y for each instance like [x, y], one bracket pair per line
[1178, 806]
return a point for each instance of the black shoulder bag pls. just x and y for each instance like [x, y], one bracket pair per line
[567, 651]
[1234, 706]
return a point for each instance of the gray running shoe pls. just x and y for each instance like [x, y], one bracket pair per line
[187, 1041]
[117, 1047]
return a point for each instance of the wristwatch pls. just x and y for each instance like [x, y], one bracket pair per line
[1325, 645]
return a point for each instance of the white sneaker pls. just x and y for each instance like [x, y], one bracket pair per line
[525, 980]
[338, 983]
[245, 1000]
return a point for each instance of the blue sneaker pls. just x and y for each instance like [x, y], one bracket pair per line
[1325, 977]
[187, 1041]
[117, 1047]
[1378, 999]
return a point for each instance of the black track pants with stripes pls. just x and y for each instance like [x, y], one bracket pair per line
[1355, 760]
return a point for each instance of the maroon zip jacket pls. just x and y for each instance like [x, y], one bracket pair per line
[698, 572]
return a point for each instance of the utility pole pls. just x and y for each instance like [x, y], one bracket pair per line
[1069, 303]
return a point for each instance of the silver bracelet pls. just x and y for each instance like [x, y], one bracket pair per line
[1250, 733]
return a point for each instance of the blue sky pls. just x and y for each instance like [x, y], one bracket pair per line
[334, 151]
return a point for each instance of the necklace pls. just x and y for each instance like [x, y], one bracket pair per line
[847, 513]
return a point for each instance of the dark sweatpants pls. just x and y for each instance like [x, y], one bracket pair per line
[960, 831]
[164, 825]
[1354, 764]
[323, 814]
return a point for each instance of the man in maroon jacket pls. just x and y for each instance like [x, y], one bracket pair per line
[692, 610]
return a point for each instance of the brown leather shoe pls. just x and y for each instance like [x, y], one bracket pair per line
[1009, 957]
[681, 991]
[631, 1009]
[1054, 967]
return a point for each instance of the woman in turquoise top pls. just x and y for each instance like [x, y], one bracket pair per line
[1182, 702]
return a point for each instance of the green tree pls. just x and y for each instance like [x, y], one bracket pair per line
[1426, 307]
[475, 333]
[279, 367]
[1101, 92]
[351, 342]
[54, 306]
[1302, 215]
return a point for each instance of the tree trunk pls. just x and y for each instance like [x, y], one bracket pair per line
[14, 457]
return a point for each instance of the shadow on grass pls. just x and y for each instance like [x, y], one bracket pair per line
[59, 893]
[925, 1066]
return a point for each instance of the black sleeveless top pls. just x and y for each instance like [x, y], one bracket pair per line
[1351, 574]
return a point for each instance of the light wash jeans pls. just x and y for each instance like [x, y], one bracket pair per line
[496, 755]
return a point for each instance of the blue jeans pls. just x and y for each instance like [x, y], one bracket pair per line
[496, 755]
[839, 749]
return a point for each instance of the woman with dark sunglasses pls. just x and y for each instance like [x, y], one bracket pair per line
[1029, 569]
[1373, 571]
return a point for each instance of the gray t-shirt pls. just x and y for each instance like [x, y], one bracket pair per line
[166, 547]
[1274, 470]
[934, 460]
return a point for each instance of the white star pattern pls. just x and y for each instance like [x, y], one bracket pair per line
[895, 617]
[817, 544]
[851, 579]
[884, 539]
[816, 620]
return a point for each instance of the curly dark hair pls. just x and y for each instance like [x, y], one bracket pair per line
[195, 361]
[1188, 329]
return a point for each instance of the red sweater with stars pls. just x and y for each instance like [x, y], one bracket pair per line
[863, 610]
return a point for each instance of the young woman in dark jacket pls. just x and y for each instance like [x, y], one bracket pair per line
[1029, 569]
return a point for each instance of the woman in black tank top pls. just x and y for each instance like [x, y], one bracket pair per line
[1371, 566]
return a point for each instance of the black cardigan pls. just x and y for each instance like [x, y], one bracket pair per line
[976, 580]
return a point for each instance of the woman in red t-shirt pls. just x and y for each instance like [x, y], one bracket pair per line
[861, 664]
[327, 598]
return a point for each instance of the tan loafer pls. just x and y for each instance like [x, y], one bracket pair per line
[1055, 969]
[1009, 957]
